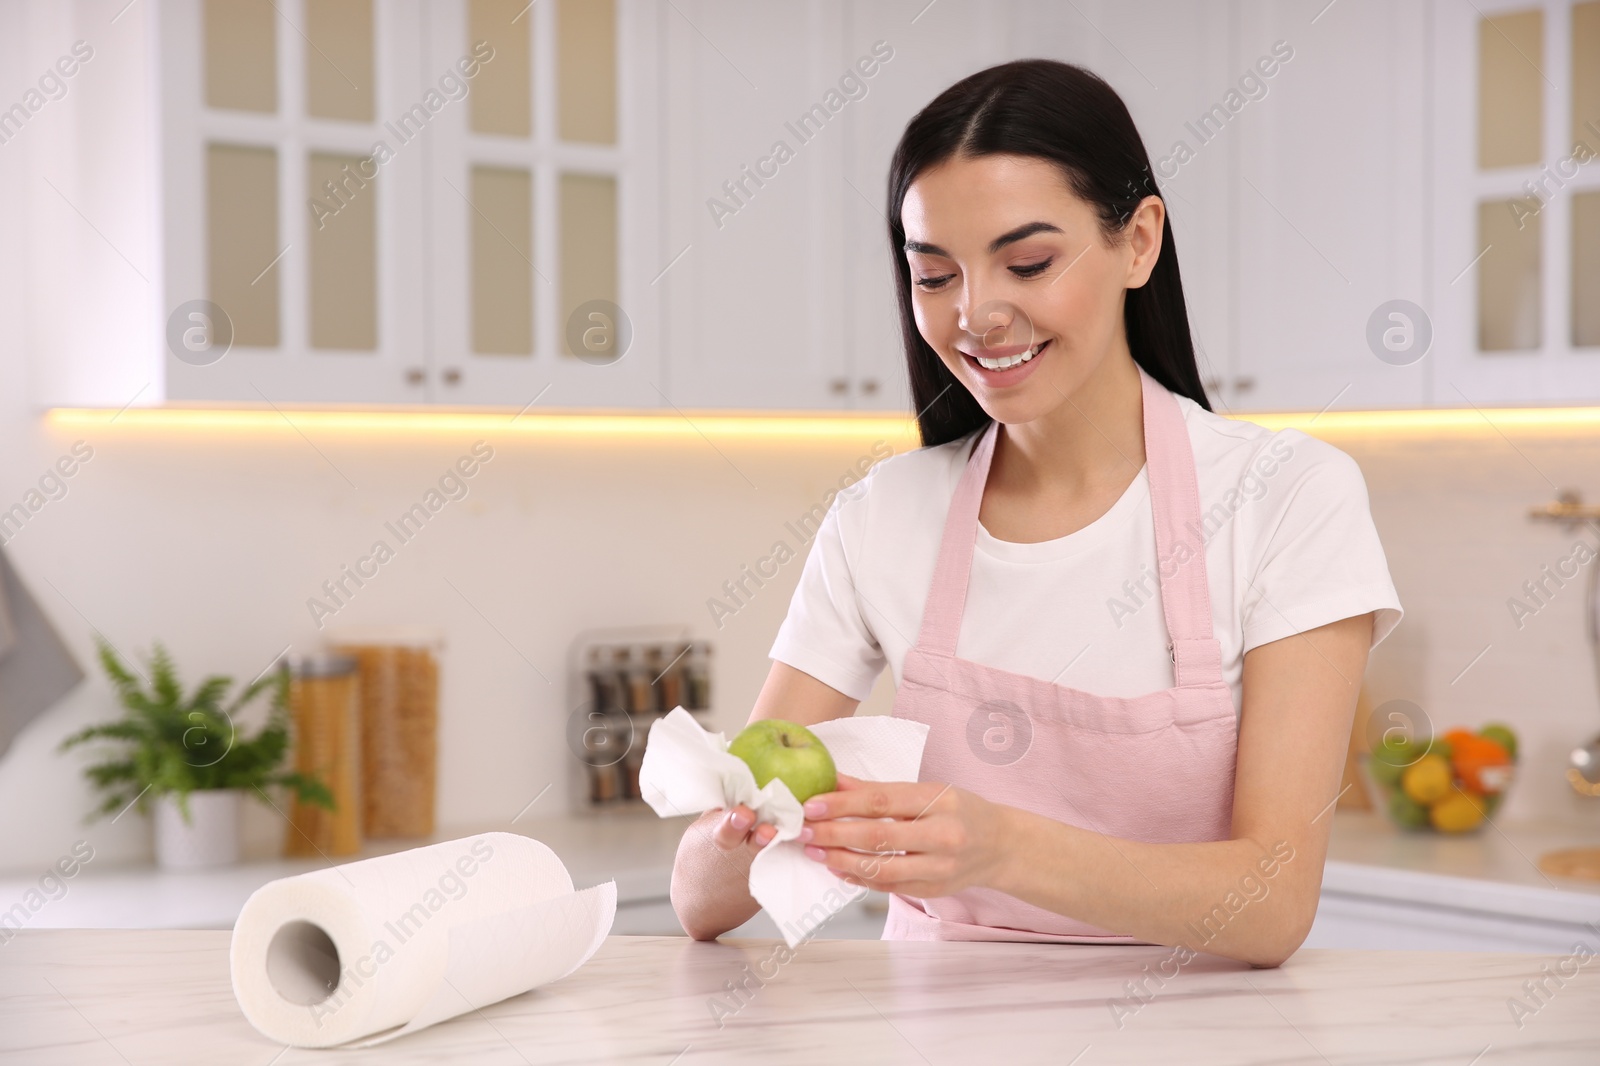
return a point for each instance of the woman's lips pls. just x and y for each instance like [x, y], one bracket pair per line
[1011, 375]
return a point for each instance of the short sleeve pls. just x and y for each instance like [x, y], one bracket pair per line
[1318, 556]
[824, 634]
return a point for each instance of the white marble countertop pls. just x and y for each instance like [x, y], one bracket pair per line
[162, 996]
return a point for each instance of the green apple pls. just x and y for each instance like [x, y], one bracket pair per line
[788, 751]
[1501, 734]
[1406, 812]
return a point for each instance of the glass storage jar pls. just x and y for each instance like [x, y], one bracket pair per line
[323, 694]
[399, 716]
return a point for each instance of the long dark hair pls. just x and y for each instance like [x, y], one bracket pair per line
[1070, 117]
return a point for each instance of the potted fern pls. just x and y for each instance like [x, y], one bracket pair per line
[184, 755]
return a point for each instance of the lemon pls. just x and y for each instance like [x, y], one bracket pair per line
[1427, 781]
[1456, 813]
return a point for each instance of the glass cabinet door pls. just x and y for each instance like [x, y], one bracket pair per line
[290, 271]
[1517, 209]
[541, 191]
[391, 201]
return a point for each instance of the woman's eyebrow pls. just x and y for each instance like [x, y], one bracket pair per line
[1027, 229]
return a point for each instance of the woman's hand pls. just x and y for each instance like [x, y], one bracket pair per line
[737, 830]
[941, 839]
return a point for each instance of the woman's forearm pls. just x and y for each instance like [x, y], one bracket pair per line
[710, 887]
[1236, 898]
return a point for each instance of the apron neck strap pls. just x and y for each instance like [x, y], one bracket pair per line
[1180, 542]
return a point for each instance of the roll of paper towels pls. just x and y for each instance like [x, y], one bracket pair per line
[405, 940]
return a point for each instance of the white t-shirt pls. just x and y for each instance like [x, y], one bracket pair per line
[1290, 546]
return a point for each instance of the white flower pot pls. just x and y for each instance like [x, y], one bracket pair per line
[209, 838]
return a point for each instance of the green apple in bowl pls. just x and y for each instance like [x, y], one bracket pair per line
[788, 751]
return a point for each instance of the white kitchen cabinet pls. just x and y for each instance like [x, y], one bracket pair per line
[1329, 186]
[1481, 891]
[1358, 191]
[234, 158]
[1167, 79]
[144, 897]
[1274, 325]
[944, 44]
[653, 917]
[753, 203]
[758, 277]
[1385, 908]
[1381, 888]
[1353, 922]
[862, 920]
[88, 179]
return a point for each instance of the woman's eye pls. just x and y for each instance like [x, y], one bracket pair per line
[930, 284]
[1032, 270]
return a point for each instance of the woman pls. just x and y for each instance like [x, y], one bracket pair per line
[1099, 767]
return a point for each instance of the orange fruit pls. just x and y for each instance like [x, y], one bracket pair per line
[1482, 764]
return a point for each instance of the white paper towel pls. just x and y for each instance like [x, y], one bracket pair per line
[410, 939]
[687, 770]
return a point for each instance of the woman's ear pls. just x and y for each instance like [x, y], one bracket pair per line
[1144, 238]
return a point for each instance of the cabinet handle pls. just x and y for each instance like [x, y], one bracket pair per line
[1244, 384]
[869, 386]
[839, 385]
[452, 376]
[415, 376]
[1211, 384]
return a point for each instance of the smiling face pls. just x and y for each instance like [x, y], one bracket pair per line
[1012, 283]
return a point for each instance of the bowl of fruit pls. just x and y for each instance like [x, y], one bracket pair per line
[1447, 784]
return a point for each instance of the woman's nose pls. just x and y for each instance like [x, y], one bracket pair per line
[991, 323]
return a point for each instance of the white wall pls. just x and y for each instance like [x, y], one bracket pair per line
[1452, 512]
[213, 543]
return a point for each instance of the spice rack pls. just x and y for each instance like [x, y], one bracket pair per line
[622, 681]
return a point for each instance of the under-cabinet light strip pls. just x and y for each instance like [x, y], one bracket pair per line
[764, 424]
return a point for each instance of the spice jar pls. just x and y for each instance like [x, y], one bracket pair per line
[641, 697]
[697, 676]
[671, 683]
[604, 693]
[622, 674]
[323, 694]
[655, 669]
[601, 746]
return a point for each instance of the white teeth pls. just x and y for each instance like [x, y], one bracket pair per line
[1009, 361]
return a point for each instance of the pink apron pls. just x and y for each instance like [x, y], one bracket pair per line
[1156, 768]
